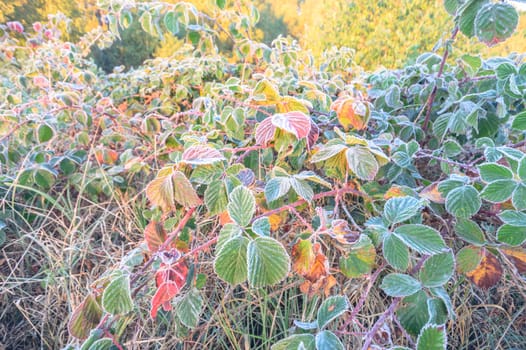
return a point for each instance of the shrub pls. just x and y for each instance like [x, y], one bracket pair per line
[352, 207]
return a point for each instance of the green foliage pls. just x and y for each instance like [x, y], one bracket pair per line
[299, 174]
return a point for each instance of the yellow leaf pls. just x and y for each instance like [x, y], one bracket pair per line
[303, 256]
[171, 187]
[289, 104]
[265, 93]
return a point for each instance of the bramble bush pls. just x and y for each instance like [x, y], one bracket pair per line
[315, 188]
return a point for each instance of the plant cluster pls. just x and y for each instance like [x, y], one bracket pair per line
[264, 172]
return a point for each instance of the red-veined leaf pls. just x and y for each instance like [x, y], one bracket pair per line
[201, 155]
[265, 132]
[296, 123]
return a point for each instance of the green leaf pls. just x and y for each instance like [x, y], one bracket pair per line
[512, 235]
[302, 188]
[452, 148]
[230, 263]
[147, 24]
[327, 152]
[400, 209]
[413, 312]
[102, 344]
[490, 172]
[437, 270]
[216, 197]
[360, 259]
[189, 307]
[362, 162]
[331, 308]
[228, 232]
[514, 218]
[116, 298]
[432, 337]
[261, 226]
[441, 293]
[400, 285]
[45, 133]
[467, 13]
[85, 317]
[496, 22]
[469, 231]
[241, 206]
[451, 6]
[221, 4]
[518, 198]
[268, 262]
[326, 340]
[463, 201]
[437, 311]
[498, 191]
[295, 341]
[125, 19]
[521, 169]
[277, 188]
[468, 258]
[519, 121]
[423, 239]
[396, 252]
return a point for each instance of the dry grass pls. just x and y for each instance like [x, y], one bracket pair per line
[54, 251]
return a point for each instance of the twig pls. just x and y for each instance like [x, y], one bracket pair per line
[363, 298]
[316, 197]
[165, 244]
[435, 89]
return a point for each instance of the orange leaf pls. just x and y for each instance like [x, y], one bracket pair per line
[164, 294]
[351, 113]
[303, 256]
[323, 284]
[275, 221]
[517, 256]
[154, 235]
[431, 192]
[320, 266]
[487, 273]
[224, 218]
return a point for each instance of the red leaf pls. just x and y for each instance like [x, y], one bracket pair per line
[169, 280]
[154, 235]
[297, 123]
[313, 135]
[265, 132]
[166, 292]
[201, 154]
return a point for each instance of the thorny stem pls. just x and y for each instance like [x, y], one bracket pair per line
[389, 312]
[165, 244]
[363, 298]
[332, 193]
[435, 89]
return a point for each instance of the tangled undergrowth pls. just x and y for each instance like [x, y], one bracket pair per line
[256, 199]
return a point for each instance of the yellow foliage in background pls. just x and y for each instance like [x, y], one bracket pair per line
[388, 33]
[385, 33]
